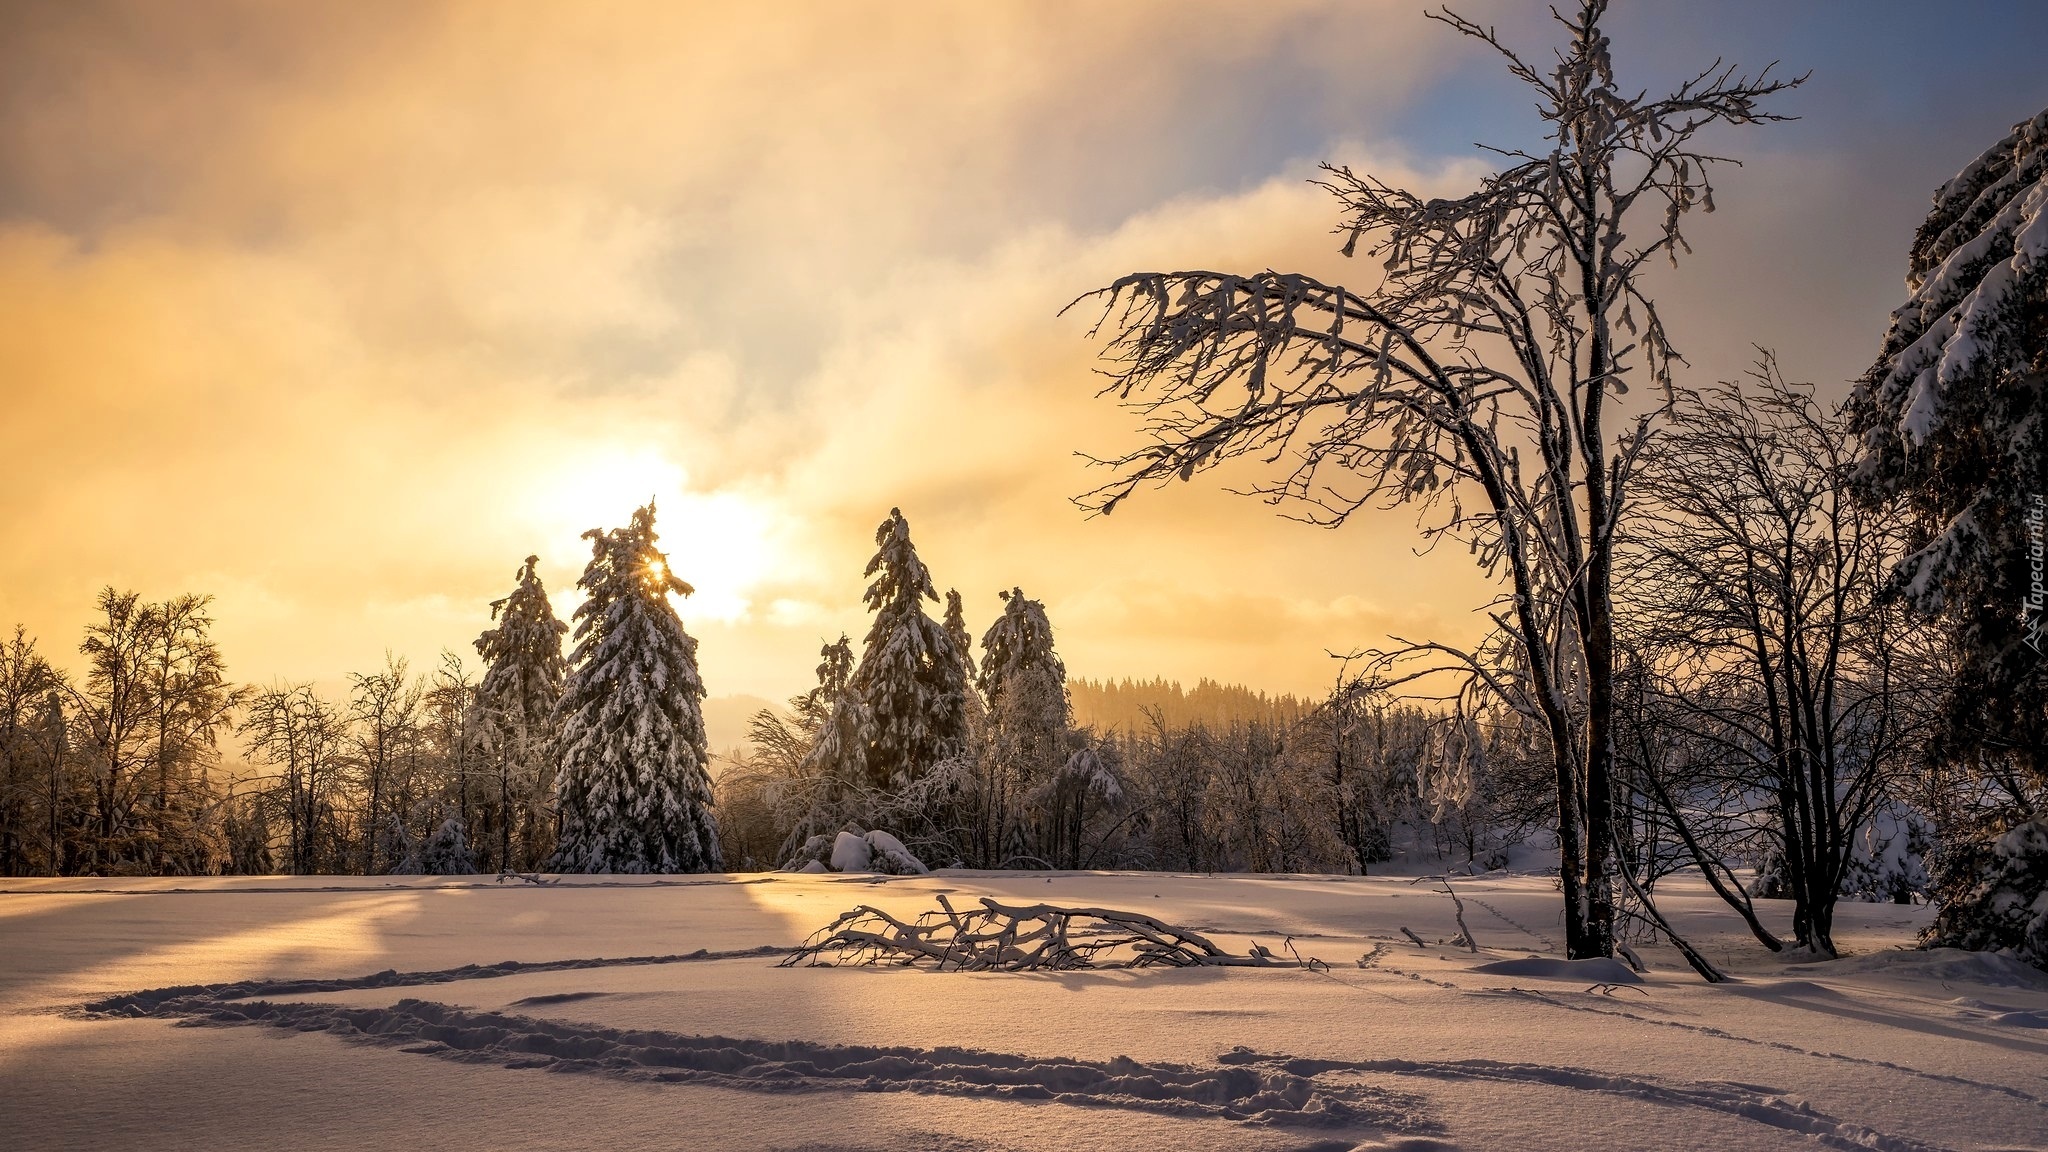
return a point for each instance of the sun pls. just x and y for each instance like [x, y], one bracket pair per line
[723, 543]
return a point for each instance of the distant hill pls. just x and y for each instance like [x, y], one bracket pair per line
[1123, 705]
[725, 720]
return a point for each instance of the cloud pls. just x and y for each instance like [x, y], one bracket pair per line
[346, 309]
[339, 311]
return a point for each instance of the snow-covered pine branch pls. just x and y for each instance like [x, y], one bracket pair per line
[1951, 414]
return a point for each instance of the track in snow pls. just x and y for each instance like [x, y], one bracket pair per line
[1251, 1095]
[1707, 1030]
[1241, 1086]
[1741, 1100]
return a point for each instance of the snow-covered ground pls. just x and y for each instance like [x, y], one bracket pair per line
[1395, 1046]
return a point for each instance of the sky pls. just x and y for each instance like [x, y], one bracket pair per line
[337, 311]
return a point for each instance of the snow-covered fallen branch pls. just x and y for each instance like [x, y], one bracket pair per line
[1465, 936]
[1025, 938]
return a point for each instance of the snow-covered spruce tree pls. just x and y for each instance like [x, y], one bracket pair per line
[523, 672]
[1889, 861]
[1954, 420]
[1025, 685]
[829, 788]
[910, 680]
[1479, 362]
[1995, 894]
[632, 787]
[444, 852]
[963, 643]
[842, 728]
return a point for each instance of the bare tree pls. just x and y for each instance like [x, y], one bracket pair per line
[51, 742]
[1175, 765]
[190, 704]
[114, 706]
[1481, 363]
[1753, 581]
[27, 683]
[1372, 748]
[290, 727]
[455, 728]
[153, 701]
[384, 711]
[1086, 784]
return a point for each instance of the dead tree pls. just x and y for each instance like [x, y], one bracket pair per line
[1024, 938]
[1479, 366]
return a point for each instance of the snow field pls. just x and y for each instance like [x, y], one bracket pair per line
[1419, 1048]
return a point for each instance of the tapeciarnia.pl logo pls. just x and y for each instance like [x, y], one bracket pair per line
[2032, 609]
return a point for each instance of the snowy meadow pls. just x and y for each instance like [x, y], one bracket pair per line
[652, 1013]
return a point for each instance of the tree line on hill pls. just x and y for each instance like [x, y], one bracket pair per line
[1129, 705]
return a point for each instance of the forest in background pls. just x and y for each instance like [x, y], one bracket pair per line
[120, 770]
[1128, 705]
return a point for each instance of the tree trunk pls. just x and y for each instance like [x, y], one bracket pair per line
[504, 814]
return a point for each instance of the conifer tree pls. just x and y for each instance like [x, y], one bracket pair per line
[840, 731]
[911, 679]
[522, 683]
[1025, 684]
[1952, 420]
[828, 788]
[633, 791]
[1019, 667]
[956, 631]
[446, 852]
[963, 643]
